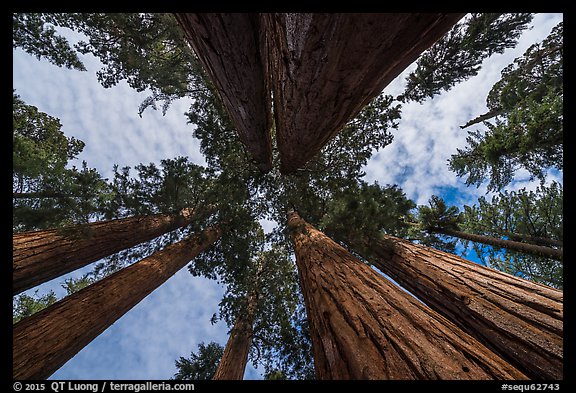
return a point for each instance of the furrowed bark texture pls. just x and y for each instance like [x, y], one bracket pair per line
[43, 342]
[233, 363]
[231, 49]
[364, 327]
[526, 248]
[520, 320]
[326, 67]
[39, 256]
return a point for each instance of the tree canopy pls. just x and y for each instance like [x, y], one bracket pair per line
[148, 51]
[527, 131]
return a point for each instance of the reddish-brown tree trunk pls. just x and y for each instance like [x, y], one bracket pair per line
[233, 363]
[231, 48]
[39, 256]
[364, 327]
[43, 342]
[326, 67]
[518, 319]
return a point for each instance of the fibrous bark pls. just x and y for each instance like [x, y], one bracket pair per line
[39, 256]
[43, 342]
[519, 320]
[364, 327]
[233, 363]
[231, 48]
[326, 67]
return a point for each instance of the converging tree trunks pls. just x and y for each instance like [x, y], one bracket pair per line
[520, 320]
[39, 256]
[232, 48]
[45, 341]
[364, 327]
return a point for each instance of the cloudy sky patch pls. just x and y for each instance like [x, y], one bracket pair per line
[171, 321]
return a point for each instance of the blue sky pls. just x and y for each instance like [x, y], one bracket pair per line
[171, 321]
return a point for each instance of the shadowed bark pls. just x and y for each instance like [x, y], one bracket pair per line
[326, 67]
[364, 327]
[45, 341]
[520, 320]
[39, 256]
[233, 363]
[231, 49]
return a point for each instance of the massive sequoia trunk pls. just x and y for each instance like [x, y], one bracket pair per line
[364, 327]
[232, 50]
[233, 363]
[526, 248]
[43, 342]
[322, 69]
[518, 319]
[326, 67]
[39, 256]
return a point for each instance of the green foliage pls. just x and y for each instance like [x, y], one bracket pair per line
[275, 375]
[437, 217]
[345, 154]
[46, 192]
[530, 216]
[25, 305]
[527, 133]
[73, 285]
[174, 185]
[459, 54]
[366, 210]
[147, 50]
[36, 35]
[201, 366]
[537, 73]
[39, 145]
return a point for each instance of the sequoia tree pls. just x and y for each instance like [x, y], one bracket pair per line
[43, 342]
[40, 256]
[519, 320]
[364, 327]
[232, 365]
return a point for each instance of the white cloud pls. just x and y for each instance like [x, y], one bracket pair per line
[429, 133]
[172, 321]
[146, 341]
[105, 119]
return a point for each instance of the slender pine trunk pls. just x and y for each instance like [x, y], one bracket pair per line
[526, 248]
[45, 341]
[519, 320]
[537, 240]
[364, 327]
[40, 195]
[486, 116]
[39, 256]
